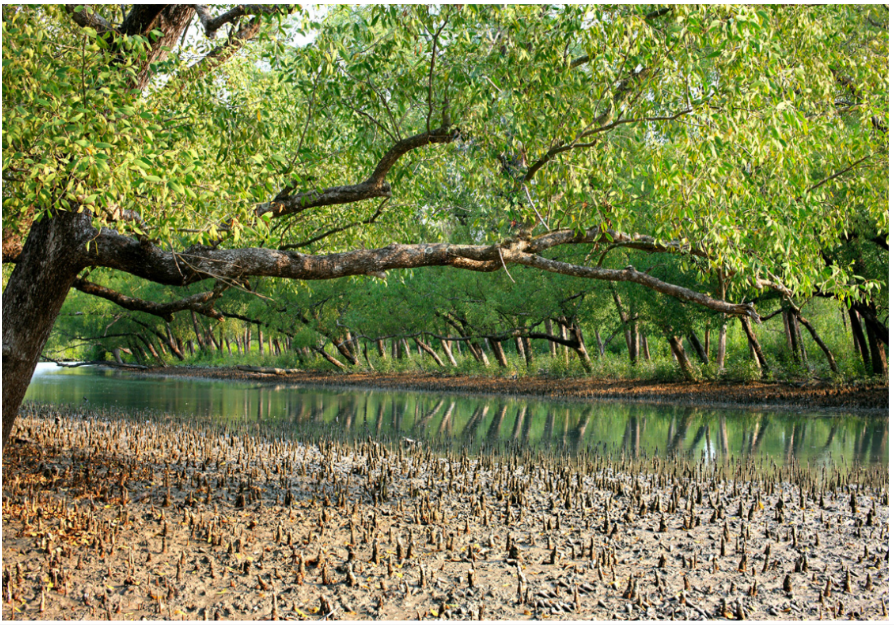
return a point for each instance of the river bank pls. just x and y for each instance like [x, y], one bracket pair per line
[129, 518]
[820, 397]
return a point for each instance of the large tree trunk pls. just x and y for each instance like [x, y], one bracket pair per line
[47, 267]
[877, 351]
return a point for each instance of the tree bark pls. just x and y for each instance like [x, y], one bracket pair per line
[200, 335]
[679, 353]
[859, 338]
[832, 364]
[600, 345]
[581, 348]
[697, 346]
[548, 325]
[380, 347]
[721, 345]
[529, 353]
[428, 350]
[499, 354]
[47, 267]
[645, 348]
[445, 345]
[877, 351]
[755, 346]
[708, 340]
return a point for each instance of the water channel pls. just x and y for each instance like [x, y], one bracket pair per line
[476, 422]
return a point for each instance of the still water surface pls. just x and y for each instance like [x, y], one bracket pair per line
[475, 423]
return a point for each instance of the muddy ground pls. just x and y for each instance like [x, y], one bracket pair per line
[126, 519]
[810, 396]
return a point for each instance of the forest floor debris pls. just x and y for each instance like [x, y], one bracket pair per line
[129, 518]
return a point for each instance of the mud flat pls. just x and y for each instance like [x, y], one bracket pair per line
[816, 396]
[125, 517]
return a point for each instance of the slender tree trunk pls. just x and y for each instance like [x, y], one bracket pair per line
[721, 345]
[406, 345]
[172, 342]
[697, 346]
[832, 364]
[328, 357]
[548, 324]
[499, 354]
[229, 347]
[755, 346]
[380, 347]
[601, 346]
[520, 348]
[151, 347]
[645, 348]
[191, 347]
[344, 348]
[445, 345]
[529, 353]
[260, 340]
[679, 353]
[859, 338]
[581, 348]
[564, 335]
[197, 328]
[788, 326]
[428, 350]
[708, 340]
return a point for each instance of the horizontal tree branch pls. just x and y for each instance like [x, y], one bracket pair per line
[202, 303]
[212, 24]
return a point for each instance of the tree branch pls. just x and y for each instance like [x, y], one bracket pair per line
[373, 187]
[202, 303]
[86, 18]
[212, 24]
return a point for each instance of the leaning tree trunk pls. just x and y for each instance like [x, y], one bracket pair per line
[859, 338]
[679, 353]
[581, 348]
[697, 346]
[499, 354]
[832, 364]
[47, 267]
[445, 345]
[755, 346]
